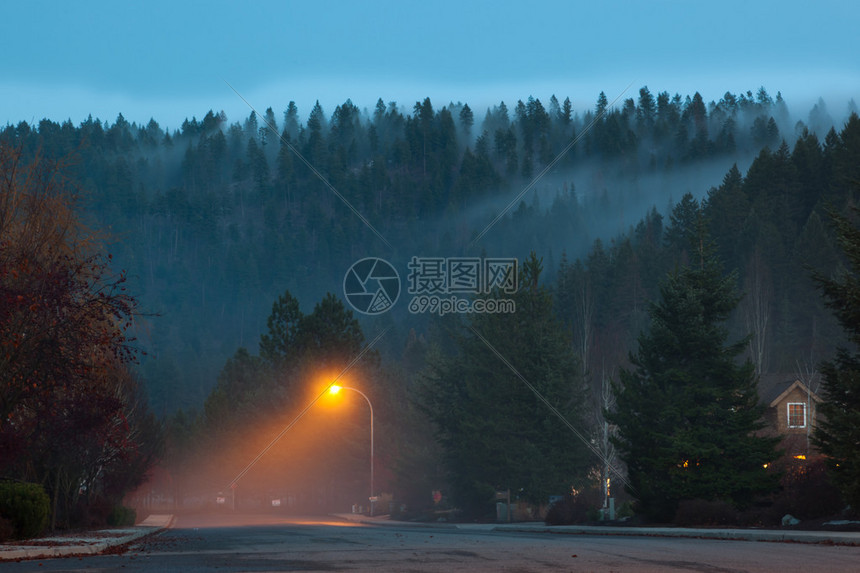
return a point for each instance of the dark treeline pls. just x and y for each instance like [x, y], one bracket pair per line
[215, 220]
[769, 225]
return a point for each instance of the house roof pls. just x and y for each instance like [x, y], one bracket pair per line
[773, 388]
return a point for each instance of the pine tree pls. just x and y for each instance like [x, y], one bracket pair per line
[495, 432]
[291, 120]
[467, 120]
[687, 413]
[646, 111]
[315, 150]
[602, 103]
[280, 344]
[838, 431]
[683, 221]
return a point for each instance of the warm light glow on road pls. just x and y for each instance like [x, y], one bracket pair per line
[334, 389]
[225, 519]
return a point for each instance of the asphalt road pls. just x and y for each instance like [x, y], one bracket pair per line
[270, 543]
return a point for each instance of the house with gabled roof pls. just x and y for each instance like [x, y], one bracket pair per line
[791, 412]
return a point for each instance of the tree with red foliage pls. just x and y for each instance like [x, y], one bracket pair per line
[66, 394]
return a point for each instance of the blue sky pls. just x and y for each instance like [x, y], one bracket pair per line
[169, 60]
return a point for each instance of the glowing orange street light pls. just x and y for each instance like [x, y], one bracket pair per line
[334, 389]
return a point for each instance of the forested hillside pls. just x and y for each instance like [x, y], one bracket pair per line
[769, 224]
[215, 220]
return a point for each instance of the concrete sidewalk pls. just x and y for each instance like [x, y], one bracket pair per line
[86, 543]
[774, 535]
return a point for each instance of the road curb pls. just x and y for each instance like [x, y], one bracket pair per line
[385, 522]
[769, 535]
[150, 526]
[415, 524]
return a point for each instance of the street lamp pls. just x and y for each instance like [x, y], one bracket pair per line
[334, 389]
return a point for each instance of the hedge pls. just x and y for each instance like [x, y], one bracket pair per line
[26, 506]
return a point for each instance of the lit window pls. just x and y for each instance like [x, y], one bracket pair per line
[797, 415]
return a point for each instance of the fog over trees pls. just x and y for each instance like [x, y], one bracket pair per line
[234, 236]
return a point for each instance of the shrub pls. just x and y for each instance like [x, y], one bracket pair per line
[121, 516]
[625, 510]
[807, 491]
[26, 506]
[704, 512]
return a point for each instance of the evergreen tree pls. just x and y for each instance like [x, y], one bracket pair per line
[237, 393]
[467, 119]
[330, 334]
[281, 342]
[646, 111]
[687, 412]
[495, 432]
[291, 120]
[683, 224]
[602, 103]
[315, 148]
[838, 431]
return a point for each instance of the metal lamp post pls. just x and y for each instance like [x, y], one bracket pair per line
[334, 390]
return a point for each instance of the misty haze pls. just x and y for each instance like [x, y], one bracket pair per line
[631, 307]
